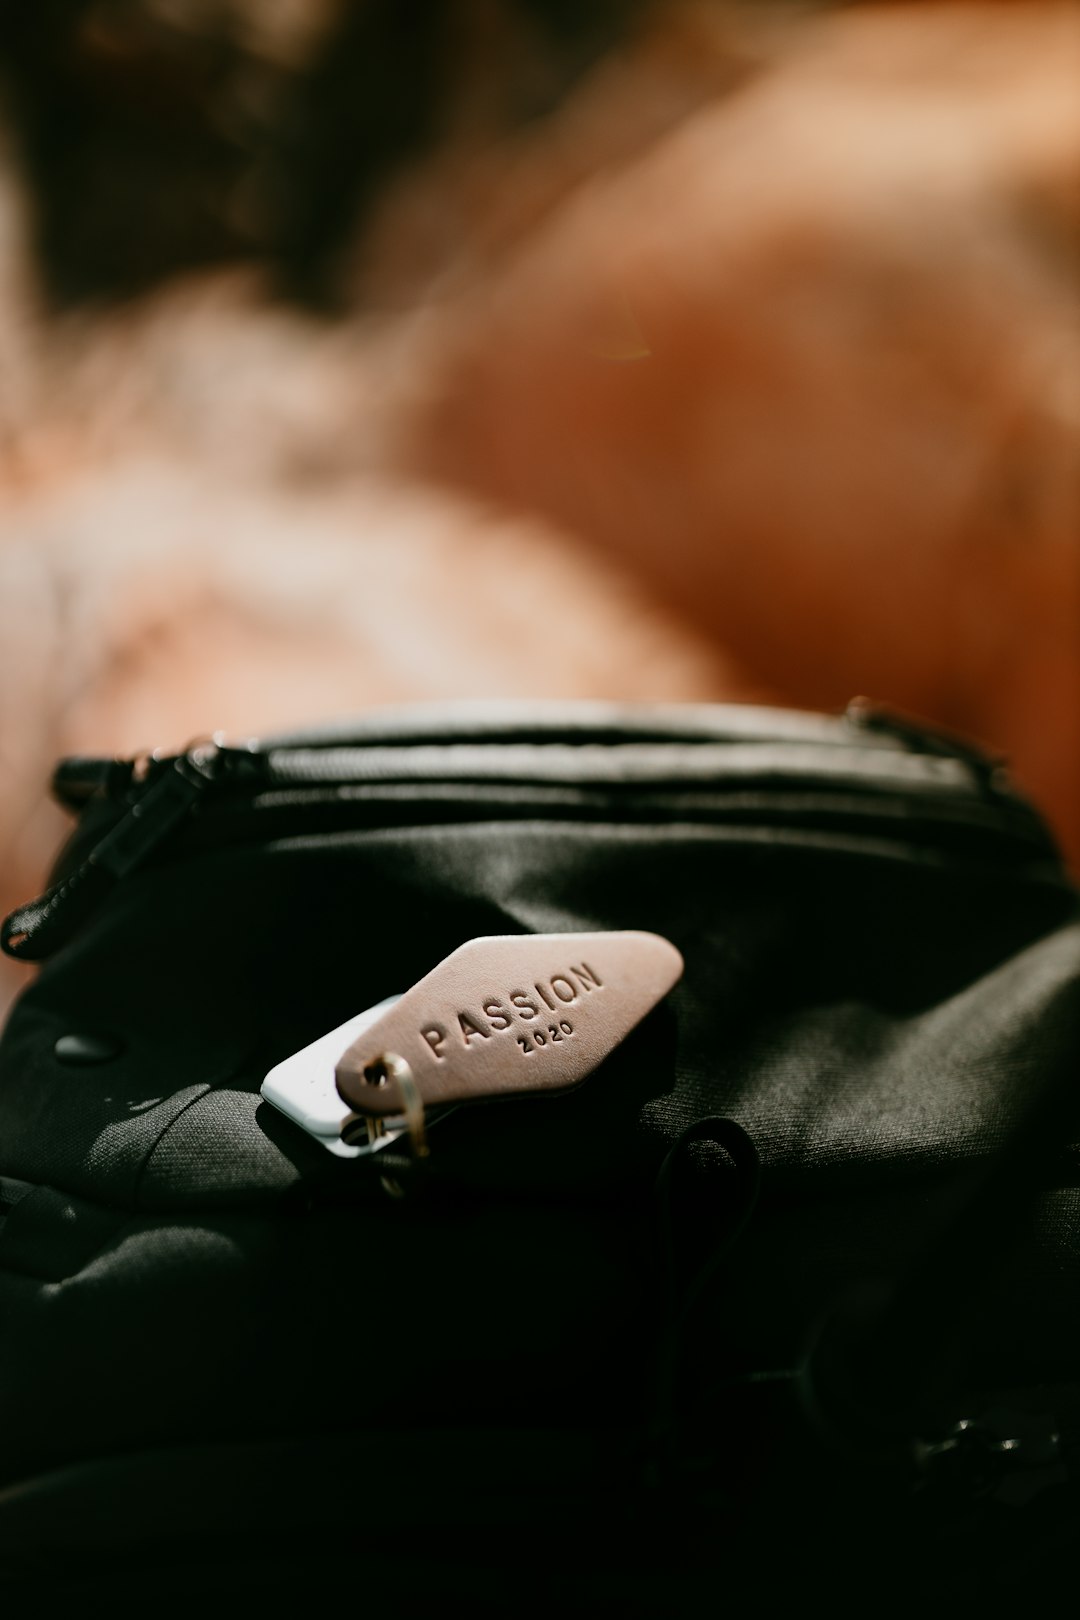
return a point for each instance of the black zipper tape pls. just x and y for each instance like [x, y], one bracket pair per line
[923, 777]
[36, 930]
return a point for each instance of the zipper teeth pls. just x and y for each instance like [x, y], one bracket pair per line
[242, 787]
[250, 789]
[939, 821]
[945, 795]
[842, 774]
[934, 786]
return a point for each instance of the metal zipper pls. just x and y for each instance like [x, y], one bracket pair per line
[174, 789]
[168, 797]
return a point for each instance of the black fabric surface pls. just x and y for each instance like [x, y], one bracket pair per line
[189, 1268]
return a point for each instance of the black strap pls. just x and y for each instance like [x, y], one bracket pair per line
[685, 1297]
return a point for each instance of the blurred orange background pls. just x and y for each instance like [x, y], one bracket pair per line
[675, 351]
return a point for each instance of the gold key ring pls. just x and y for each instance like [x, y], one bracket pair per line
[392, 1066]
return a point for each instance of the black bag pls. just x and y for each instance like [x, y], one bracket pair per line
[784, 1296]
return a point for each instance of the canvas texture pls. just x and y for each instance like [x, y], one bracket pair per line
[881, 992]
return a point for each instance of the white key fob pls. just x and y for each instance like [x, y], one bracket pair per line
[304, 1088]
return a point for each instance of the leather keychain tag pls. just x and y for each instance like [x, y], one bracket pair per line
[503, 1015]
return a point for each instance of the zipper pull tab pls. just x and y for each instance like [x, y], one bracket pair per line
[504, 1015]
[39, 928]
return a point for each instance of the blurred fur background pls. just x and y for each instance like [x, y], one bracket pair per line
[359, 352]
